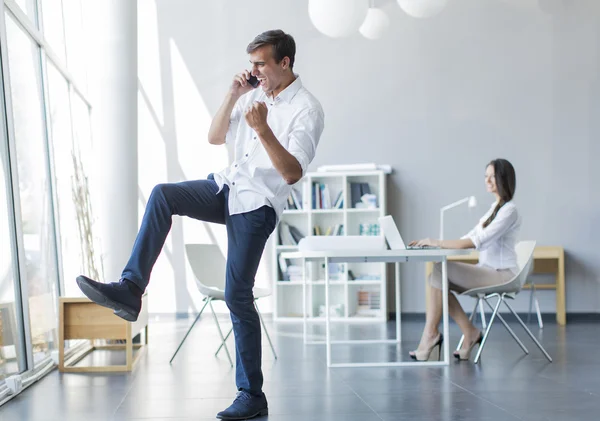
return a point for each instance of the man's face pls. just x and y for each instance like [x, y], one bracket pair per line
[269, 73]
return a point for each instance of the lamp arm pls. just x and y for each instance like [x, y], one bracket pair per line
[455, 204]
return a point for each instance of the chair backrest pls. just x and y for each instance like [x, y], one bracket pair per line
[525, 251]
[208, 265]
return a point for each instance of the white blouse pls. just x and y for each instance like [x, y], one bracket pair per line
[496, 242]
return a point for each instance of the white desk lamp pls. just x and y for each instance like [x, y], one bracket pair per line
[472, 203]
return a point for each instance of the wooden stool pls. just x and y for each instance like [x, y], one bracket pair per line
[80, 318]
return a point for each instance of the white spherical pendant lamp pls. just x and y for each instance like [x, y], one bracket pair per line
[375, 24]
[337, 18]
[422, 8]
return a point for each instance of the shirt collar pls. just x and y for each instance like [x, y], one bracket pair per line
[288, 93]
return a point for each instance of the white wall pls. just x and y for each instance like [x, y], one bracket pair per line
[435, 98]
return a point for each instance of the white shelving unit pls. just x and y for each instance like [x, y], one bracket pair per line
[362, 299]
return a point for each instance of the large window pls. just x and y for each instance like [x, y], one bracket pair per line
[45, 147]
[34, 195]
[9, 337]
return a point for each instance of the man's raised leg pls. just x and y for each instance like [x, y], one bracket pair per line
[196, 199]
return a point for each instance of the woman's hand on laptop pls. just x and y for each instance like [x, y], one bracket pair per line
[426, 242]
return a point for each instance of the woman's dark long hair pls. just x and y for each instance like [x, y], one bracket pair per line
[506, 182]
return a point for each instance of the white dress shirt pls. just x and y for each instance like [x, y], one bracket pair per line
[496, 242]
[296, 118]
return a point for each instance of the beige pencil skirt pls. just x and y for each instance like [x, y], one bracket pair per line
[465, 276]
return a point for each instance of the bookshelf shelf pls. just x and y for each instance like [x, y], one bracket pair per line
[318, 211]
[323, 204]
[355, 210]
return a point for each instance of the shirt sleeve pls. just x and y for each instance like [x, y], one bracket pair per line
[234, 122]
[304, 136]
[484, 237]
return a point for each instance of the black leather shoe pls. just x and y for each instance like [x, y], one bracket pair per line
[245, 406]
[124, 297]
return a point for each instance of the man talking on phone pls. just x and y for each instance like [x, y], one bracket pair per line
[274, 125]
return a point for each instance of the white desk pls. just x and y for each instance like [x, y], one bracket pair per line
[377, 256]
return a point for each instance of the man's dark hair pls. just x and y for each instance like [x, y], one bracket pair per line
[283, 45]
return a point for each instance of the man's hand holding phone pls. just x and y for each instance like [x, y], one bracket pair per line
[243, 83]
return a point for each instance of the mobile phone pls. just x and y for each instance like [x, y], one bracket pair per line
[253, 81]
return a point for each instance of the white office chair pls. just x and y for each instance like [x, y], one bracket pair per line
[507, 290]
[208, 266]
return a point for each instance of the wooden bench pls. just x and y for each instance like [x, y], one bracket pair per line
[80, 318]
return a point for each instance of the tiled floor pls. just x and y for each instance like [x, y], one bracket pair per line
[507, 385]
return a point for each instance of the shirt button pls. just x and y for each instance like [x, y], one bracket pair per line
[254, 137]
[233, 183]
[246, 154]
[236, 165]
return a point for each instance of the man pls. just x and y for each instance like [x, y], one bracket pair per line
[275, 129]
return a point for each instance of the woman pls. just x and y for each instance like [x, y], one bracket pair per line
[494, 237]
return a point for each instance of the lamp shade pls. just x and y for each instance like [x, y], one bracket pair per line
[422, 8]
[337, 18]
[375, 24]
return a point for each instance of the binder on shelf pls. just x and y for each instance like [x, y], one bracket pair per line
[357, 191]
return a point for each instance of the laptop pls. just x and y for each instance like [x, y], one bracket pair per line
[393, 237]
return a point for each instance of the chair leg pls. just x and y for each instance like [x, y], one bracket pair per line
[471, 317]
[530, 302]
[224, 342]
[539, 345]
[489, 326]
[220, 333]
[512, 333]
[539, 313]
[482, 313]
[265, 328]
[206, 301]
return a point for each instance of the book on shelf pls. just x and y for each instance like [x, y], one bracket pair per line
[297, 198]
[321, 197]
[289, 235]
[294, 200]
[339, 201]
[337, 229]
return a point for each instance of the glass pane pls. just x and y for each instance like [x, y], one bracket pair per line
[71, 162]
[9, 345]
[91, 260]
[62, 147]
[34, 189]
[52, 19]
[28, 6]
[76, 41]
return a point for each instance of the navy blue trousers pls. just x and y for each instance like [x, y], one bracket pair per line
[247, 234]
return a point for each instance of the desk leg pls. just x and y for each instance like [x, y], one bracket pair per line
[561, 311]
[304, 309]
[398, 304]
[445, 311]
[327, 327]
[428, 270]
